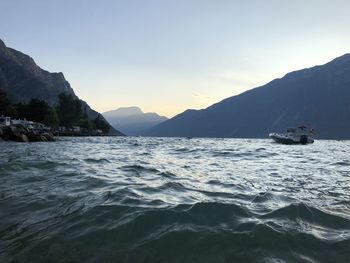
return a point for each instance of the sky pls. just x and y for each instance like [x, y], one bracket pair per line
[168, 56]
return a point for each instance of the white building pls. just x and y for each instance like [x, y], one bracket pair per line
[24, 122]
[6, 121]
[76, 128]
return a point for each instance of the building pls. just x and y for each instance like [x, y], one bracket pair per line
[76, 128]
[5, 121]
[24, 123]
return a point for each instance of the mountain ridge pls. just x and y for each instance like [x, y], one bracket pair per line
[282, 102]
[125, 111]
[22, 79]
[132, 120]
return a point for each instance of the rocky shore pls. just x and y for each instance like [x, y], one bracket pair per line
[20, 133]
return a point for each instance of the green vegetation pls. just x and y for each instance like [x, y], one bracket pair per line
[37, 111]
[68, 113]
[71, 113]
[69, 110]
[101, 124]
[5, 104]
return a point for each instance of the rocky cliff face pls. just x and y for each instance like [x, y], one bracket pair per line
[318, 97]
[22, 79]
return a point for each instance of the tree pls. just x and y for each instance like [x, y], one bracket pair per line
[4, 102]
[37, 111]
[52, 119]
[86, 124]
[21, 110]
[69, 110]
[11, 111]
[101, 124]
[6, 108]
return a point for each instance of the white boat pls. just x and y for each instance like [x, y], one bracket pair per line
[300, 135]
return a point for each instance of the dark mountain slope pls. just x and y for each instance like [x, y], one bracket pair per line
[23, 80]
[318, 97]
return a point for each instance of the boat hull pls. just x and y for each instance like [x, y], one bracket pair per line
[284, 139]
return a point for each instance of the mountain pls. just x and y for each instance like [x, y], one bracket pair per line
[132, 121]
[23, 80]
[318, 97]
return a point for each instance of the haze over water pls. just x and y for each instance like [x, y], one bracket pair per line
[113, 199]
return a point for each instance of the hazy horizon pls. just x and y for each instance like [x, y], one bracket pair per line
[165, 56]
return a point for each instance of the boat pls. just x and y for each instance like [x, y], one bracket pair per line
[299, 135]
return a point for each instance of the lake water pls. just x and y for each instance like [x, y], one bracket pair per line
[117, 199]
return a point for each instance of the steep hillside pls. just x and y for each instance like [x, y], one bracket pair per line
[23, 80]
[318, 97]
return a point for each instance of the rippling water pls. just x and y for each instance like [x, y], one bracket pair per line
[174, 200]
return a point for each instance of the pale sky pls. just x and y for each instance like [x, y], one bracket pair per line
[168, 56]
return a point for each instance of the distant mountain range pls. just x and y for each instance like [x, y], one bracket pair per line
[318, 97]
[132, 121]
[23, 80]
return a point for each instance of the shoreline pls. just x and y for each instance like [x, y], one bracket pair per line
[19, 133]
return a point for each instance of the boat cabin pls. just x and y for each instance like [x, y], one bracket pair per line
[298, 130]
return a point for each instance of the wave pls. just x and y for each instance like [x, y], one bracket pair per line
[20, 165]
[139, 169]
[207, 232]
[97, 160]
[311, 215]
[173, 200]
[342, 163]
